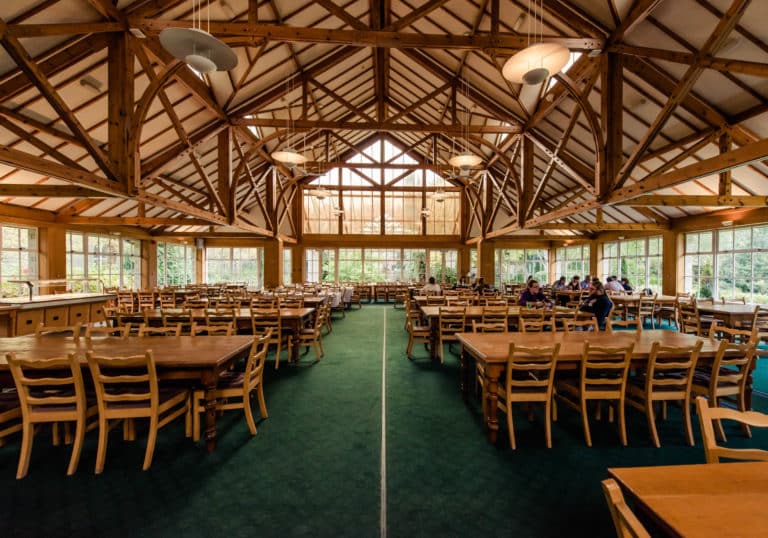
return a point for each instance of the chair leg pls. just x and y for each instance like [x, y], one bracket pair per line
[742, 406]
[26, 450]
[510, 427]
[101, 452]
[713, 402]
[249, 416]
[77, 446]
[410, 345]
[622, 423]
[548, 422]
[650, 415]
[262, 401]
[277, 356]
[687, 419]
[585, 422]
[151, 440]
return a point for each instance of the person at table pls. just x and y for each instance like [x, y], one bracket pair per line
[479, 286]
[612, 284]
[533, 296]
[626, 285]
[560, 285]
[574, 284]
[586, 282]
[597, 303]
[431, 288]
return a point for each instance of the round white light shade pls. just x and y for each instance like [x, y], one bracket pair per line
[289, 157]
[465, 160]
[534, 64]
[199, 49]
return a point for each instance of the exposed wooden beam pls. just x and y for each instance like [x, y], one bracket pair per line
[697, 200]
[605, 226]
[132, 221]
[58, 29]
[383, 126]
[48, 191]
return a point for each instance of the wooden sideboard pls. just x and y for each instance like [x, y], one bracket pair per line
[20, 316]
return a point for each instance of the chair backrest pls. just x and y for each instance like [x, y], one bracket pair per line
[264, 319]
[532, 314]
[221, 329]
[613, 324]
[495, 315]
[538, 367]
[50, 390]
[220, 316]
[105, 330]
[170, 330]
[688, 318]
[435, 300]
[712, 451]
[262, 301]
[626, 522]
[125, 385]
[671, 368]
[736, 336]
[604, 370]
[167, 299]
[483, 327]
[731, 366]
[760, 323]
[254, 366]
[452, 319]
[63, 330]
[734, 300]
[494, 301]
[292, 302]
[647, 305]
[536, 325]
[573, 325]
[457, 300]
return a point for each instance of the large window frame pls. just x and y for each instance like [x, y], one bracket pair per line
[113, 259]
[639, 260]
[18, 258]
[176, 264]
[572, 260]
[515, 265]
[235, 264]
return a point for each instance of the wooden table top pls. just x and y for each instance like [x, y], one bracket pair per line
[477, 311]
[716, 499]
[635, 298]
[169, 351]
[198, 313]
[739, 309]
[493, 347]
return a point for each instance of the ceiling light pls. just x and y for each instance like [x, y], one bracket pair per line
[465, 161]
[289, 157]
[534, 64]
[425, 212]
[91, 84]
[727, 223]
[320, 193]
[439, 196]
[198, 48]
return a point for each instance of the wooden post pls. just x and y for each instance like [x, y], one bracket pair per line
[226, 189]
[611, 119]
[273, 263]
[525, 194]
[52, 252]
[673, 267]
[120, 98]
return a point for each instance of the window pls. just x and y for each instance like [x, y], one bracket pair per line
[517, 264]
[570, 261]
[380, 265]
[235, 264]
[380, 185]
[728, 262]
[287, 266]
[443, 265]
[175, 264]
[114, 260]
[414, 265]
[350, 265]
[312, 259]
[18, 258]
[383, 265]
[637, 260]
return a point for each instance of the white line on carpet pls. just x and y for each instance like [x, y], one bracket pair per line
[383, 486]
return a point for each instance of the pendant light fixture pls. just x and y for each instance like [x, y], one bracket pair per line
[289, 156]
[197, 47]
[465, 160]
[538, 61]
[321, 193]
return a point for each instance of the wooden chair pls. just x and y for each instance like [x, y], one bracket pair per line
[63, 330]
[760, 326]
[435, 300]
[234, 389]
[167, 299]
[170, 330]
[451, 320]
[325, 311]
[668, 377]
[626, 522]
[626, 324]
[727, 377]
[536, 326]
[312, 336]
[736, 336]
[292, 302]
[417, 330]
[669, 312]
[211, 330]
[145, 300]
[712, 451]
[265, 320]
[529, 315]
[221, 315]
[603, 376]
[125, 301]
[530, 377]
[127, 389]
[573, 325]
[263, 301]
[691, 322]
[646, 309]
[495, 315]
[50, 391]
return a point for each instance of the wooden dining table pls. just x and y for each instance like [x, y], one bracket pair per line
[293, 320]
[490, 350]
[197, 359]
[732, 315]
[707, 500]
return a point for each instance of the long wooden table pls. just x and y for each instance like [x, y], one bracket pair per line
[292, 319]
[199, 359]
[716, 499]
[732, 315]
[490, 350]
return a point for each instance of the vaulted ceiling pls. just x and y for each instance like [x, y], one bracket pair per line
[662, 114]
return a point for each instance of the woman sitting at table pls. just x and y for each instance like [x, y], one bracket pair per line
[597, 303]
[533, 296]
[575, 284]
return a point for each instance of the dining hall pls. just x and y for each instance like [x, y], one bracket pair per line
[383, 268]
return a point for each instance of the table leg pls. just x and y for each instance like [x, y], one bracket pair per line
[491, 403]
[464, 374]
[434, 340]
[209, 384]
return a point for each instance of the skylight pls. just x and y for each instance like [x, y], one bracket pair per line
[574, 56]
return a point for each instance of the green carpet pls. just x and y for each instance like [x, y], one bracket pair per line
[314, 467]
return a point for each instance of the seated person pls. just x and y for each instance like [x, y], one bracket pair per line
[586, 282]
[612, 284]
[625, 284]
[575, 284]
[597, 303]
[561, 284]
[533, 295]
[431, 288]
[479, 285]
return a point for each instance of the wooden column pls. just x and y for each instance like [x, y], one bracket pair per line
[120, 99]
[297, 265]
[148, 265]
[199, 265]
[673, 268]
[725, 177]
[525, 190]
[594, 257]
[273, 263]
[485, 261]
[611, 118]
[226, 190]
[52, 252]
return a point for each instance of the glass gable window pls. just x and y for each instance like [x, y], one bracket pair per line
[517, 264]
[18, 258]
[235, 264]
[175, 264]
[637, 260]
[572, 260]
[114, 260]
